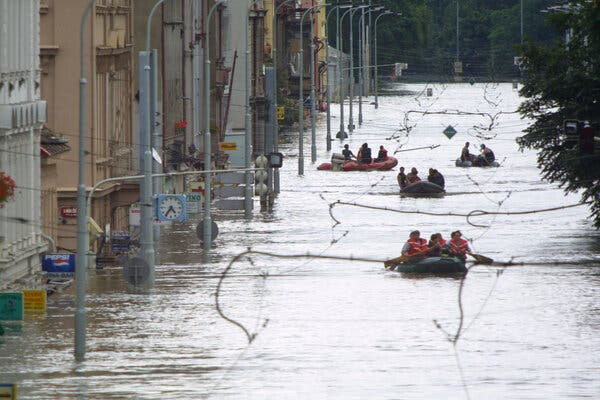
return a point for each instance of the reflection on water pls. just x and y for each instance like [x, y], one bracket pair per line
[340, 329]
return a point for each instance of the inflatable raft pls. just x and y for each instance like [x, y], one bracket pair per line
[468, 164]
[422, 189]
[433, 265]
[385, 165]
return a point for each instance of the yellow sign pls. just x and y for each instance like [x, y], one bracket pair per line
[34, 300]
[280, 113]
[8, 391]
[227, 146]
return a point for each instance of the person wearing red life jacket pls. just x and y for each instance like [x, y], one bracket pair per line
[458, 247]
[415, 246]
[382, 155]
[437, 246]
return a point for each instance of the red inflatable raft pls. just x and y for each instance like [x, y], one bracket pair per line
[385, 165]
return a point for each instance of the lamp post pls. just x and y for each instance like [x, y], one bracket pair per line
[387, 12]
[313, 135]
[274, 116]
[207, 222]
[363, 58]
[350, 118]
[82, 236]
[337, 41]
[301, 92]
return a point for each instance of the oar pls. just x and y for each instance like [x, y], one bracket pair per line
[481, 259]
[405, 257]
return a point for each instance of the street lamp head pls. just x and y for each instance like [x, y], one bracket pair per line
[344, 6]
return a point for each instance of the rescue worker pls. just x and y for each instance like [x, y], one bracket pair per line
[458, 247]
[465, 155]
[415, 246]
[436, 177]
[347, 153]
[437, 246]
[402, 178]
[382, 155]
[364, 154]
[487, 156]
[412, 176]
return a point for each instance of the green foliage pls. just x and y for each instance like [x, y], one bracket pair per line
[424, 36]
[562, 81]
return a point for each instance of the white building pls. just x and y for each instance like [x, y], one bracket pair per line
[22, 114]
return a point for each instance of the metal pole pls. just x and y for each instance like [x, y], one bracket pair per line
[351, 94]
[339, 70]
[276, 183]
[248, 203]
[361, 60]
[351, 120]
[156, 133]
[340, 50]
[207, 222]
[376, 61]
[82, 236]
[147, 216]
[368, 49]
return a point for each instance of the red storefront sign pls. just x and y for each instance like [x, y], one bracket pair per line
[68, 212]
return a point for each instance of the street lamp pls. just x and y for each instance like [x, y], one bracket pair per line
[274, 116]
[387, 12]
[363, 58]
[351, 119]
[207, 223]
[301, 88]
[337, 41]
[82, 236]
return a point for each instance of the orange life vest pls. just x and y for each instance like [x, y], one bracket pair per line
[459, 247]
[416, 246]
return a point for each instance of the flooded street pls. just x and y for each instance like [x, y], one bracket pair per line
[334, 329]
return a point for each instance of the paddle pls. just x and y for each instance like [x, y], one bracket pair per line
[481, 259]
[387, 264]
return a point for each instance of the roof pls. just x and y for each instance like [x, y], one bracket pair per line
[52, 143]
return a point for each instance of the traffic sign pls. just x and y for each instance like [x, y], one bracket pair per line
[450, 131]
[8, 391]
[200, 231]
[11, 306]
[136, 271]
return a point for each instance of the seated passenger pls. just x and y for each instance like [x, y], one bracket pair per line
[487, 156]
[412, 176]
[437, 246]
[458, 247]
[465, 155]
[347, 153]
[436, 177]
[364, 154]
[402, 178]
[415, 247]
[382, 155]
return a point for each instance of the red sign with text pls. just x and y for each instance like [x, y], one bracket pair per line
[68, 212]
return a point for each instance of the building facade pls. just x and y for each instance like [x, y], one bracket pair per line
[110, 144]
[22, 114]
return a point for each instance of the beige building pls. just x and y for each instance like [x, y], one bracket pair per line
[109, 111]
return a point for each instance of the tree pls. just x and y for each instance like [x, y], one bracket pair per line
[562, 82]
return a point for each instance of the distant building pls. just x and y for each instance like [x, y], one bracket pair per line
[22, 114]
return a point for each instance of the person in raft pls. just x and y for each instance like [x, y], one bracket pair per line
[382, 155]
[436, 177]
[487, 156]
[402, 178]
[364, 154]
[458, 247]
[465, 155]
[413, 176]
[437, 246]
[347, 153]
[415, 247]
